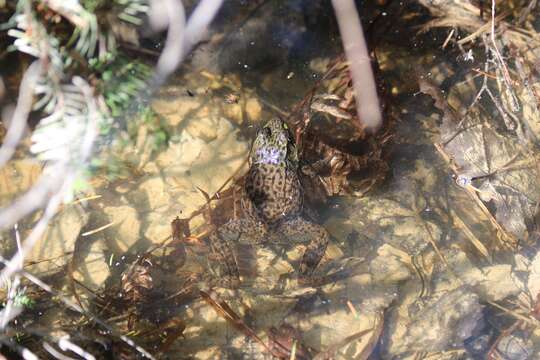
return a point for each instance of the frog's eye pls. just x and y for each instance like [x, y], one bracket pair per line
[285, 126]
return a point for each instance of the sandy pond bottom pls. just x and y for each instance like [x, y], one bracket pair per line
[423, 281]
[414, 277]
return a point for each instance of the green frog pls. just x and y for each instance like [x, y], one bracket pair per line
[272, 205]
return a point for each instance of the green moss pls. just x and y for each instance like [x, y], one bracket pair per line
[158, 133]
[121, 81]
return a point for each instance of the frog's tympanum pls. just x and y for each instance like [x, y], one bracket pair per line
[272, 205]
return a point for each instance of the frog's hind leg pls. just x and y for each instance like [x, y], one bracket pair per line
[316, 237]
[221, 240]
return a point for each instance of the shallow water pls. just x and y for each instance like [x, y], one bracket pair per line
[423, 257]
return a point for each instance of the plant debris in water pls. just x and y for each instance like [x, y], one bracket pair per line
[424, 296]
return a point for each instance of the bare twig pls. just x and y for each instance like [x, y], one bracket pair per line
[36, 233]
[333, 349]
[24, 352]
[171, 14]
[12, 309]
[181, 37]
[67, 345]
[526, 11]
[367, 101]
[234, 319]
[78, 309]
[33, 199]
[197, 25]
[53, 185]
[514, 103]
[63, 166]
[506, 239]
[101, 228]
[17, 123]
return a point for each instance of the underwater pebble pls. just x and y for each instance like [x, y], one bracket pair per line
[513, 347]
[437, 323]
[126, 229]
[253, 109]
[52, 252]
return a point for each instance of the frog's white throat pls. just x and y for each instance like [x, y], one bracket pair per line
[269, 155]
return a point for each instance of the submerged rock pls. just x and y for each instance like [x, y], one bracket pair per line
[204, 150]
[16, 177]
[126, 229]
[478, 346]
[498, 283]
[55, 248]
[515, 347]
[253, 109]
[491, 283]
[440, 323]
[91, 266]
[390, 265]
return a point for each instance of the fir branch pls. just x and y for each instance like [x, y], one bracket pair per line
[75, 107]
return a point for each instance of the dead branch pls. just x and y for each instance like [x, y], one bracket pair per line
[17, 124]
[367, 101]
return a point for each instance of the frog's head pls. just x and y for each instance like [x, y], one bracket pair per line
[273, 144]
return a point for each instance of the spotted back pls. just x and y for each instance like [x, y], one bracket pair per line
[272, 186]
[273, 193]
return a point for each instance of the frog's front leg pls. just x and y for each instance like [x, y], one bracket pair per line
[222, 240]
[316, 237]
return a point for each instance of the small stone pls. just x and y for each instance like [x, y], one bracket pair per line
[204, 127]
[498, 283]
[208, 164]
[514, 347]
[53, 250]
[521, 262]
[122, 188]
[126, 229]
[181, 154]
[389, 267]
[339, 227]
[151, 168]
[253, 110]
[233, 112]
[437, 323]
[91, 267]
[155, 193]
[478, 346]
[158, 229]
[492, 283]
[175, 111]
[329, 328]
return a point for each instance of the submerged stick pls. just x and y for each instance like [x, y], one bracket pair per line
[182, 34]
[75, 307]
[354, 43]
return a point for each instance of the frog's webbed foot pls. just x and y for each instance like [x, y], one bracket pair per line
[241, 231]
[301, 230]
